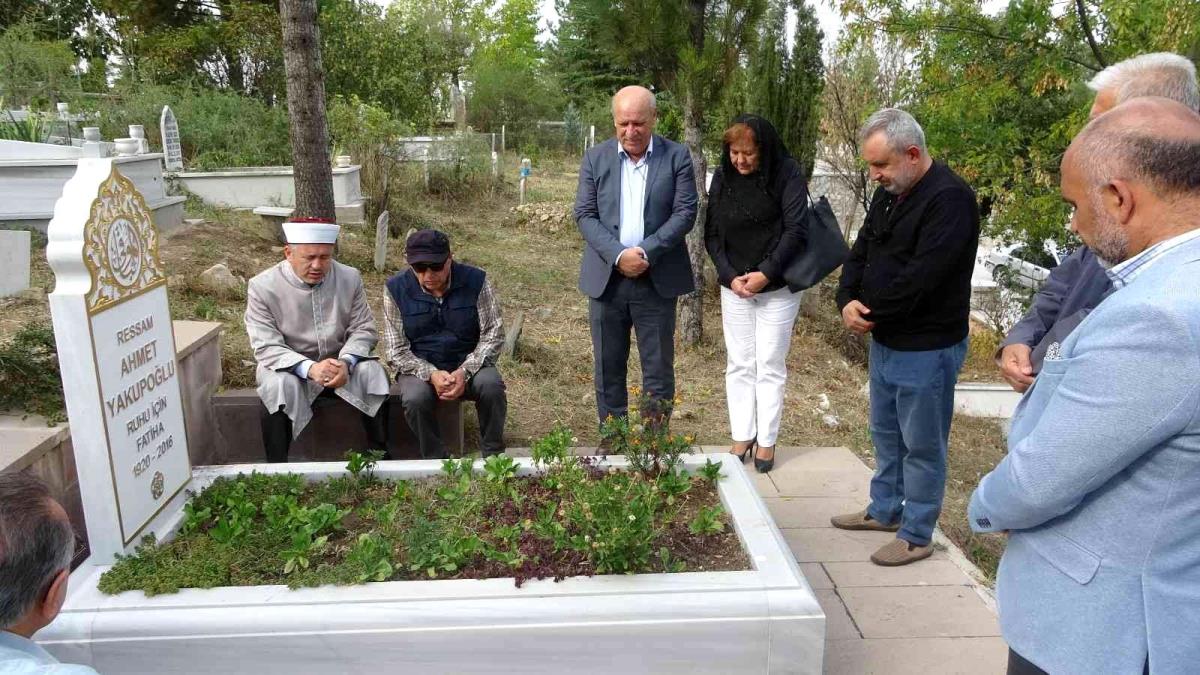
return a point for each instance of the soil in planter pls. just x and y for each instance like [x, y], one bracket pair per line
[576, 517]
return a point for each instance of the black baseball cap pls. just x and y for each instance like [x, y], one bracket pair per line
[427, 246]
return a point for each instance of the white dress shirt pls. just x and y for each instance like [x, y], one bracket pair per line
[633, 196]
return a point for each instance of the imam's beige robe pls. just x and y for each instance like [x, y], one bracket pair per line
[289, 321]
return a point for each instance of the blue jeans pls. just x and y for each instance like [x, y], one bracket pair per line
[912, 404]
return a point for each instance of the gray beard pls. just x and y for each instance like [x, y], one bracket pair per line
[1111, 243]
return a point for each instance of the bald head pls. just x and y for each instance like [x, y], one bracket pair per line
[1151, 139]
[636, 97]
[1131, 176]
[634, 115]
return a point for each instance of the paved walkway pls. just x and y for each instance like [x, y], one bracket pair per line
[926, 618]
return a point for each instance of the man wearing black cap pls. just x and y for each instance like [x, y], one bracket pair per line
[441, 335]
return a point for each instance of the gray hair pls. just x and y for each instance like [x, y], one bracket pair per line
[1115, 147]
[35, 544]
[1160, 74]
[899, 128]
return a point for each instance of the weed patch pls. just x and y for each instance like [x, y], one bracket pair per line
[573, 516]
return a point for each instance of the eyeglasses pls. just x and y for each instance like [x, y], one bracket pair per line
[421, 268]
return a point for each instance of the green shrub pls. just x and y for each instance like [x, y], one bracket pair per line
[217, 129]
[29, 375]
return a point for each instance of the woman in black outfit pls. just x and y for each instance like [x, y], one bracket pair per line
[754, 228]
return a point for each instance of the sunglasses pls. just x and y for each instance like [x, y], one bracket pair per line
[421, 268]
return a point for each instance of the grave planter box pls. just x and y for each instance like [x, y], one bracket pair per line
[764, 620]
[256, 186]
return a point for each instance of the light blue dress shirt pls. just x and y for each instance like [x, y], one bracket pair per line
[633, 196]
[20, 656]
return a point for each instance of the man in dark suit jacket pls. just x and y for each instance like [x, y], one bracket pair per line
[636, 202]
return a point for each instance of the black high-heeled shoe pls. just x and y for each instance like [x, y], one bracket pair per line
[746, 453]
[764, 465]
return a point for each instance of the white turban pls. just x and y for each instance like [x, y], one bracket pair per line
[311, 231]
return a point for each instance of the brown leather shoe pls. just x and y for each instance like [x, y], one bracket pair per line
[900, 552]
[859, 520]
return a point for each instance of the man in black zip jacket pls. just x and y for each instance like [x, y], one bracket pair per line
[908, 283]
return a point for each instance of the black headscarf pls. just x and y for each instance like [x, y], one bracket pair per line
[747, 212]
[772, 153]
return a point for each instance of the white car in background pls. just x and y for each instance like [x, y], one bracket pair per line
[1025, 265]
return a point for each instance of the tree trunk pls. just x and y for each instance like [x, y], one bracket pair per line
[691, 307]
[306, 109]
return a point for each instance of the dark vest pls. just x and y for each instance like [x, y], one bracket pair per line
[443, 333]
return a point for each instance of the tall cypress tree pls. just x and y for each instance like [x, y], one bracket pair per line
[785, 87]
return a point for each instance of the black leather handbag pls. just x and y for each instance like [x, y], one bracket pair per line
[824, 248]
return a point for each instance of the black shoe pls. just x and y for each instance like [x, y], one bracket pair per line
[764, 465]
[745, 453]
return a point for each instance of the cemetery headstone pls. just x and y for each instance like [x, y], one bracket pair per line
[512, 336]
[14, 261]
[173, 151]
[116, 350]
[381, 241]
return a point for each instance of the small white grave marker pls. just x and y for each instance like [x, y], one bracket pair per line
[172, 150]
[381, 241]
[116, 351]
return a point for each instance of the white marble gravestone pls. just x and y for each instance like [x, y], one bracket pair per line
[172, 150]
[381, 241]
[14, 262]
[116, 351]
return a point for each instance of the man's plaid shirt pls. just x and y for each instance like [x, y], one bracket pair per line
[401, 359]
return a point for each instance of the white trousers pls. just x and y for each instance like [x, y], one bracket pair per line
[758, 333]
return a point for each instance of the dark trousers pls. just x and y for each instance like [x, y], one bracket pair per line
[1019, 665]
[277, 429]
[632, 304]
[419, 400]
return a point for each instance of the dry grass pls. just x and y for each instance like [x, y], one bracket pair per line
[534, 264]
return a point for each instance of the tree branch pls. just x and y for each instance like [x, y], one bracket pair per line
[1081, 10]
[898, 27]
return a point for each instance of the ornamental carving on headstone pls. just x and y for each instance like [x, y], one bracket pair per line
[120, 245]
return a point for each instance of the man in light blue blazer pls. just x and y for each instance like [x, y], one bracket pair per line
[1100, 490]
[636, 201]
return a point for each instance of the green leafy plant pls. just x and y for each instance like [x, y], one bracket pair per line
[554, 447]
[711, 471]
[707, 521]
[673, 483]
[499, 468]
[433, 550]
[304, 545]
[458, 468]
[669, 563]
[362, 464]
[194, 517]
[644, 439]
[372, 556]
